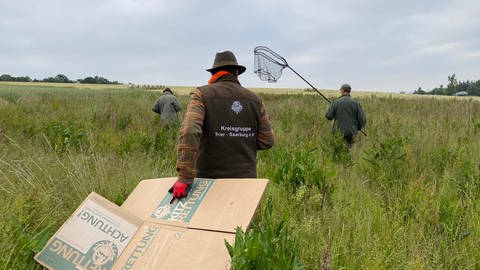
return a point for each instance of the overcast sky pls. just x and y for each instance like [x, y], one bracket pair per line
[375, 45]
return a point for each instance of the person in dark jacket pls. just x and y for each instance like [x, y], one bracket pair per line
[224, 126]
[168, 107]
[347, 114]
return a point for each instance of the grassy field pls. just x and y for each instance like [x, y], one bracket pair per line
[405, 197]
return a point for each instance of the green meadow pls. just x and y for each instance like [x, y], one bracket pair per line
[406, 196]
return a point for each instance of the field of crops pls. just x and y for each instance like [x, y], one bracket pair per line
[407, 196]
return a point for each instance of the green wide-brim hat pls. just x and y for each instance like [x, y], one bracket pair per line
[226, 59]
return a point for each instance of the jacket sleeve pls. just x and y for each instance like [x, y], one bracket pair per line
[176, 105]
[188, 142]
[157, 107]
[361, 119]
[330, 114]
[265, 136]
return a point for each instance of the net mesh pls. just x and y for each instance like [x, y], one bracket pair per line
[268, 64]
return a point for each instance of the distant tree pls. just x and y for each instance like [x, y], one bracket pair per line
[24, 79]
[60, 78]
[419, 91]
[437, 91]
[49, 79]
[452, 85]
[474, 88]
[455, 86]
[96, 80]
[8, 78]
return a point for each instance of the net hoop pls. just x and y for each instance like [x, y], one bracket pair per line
[268, 64]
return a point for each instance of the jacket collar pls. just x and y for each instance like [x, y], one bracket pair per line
[227, 78]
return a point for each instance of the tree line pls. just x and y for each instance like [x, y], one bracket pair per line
[60, 78]
[454, 87]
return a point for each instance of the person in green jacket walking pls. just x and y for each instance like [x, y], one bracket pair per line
[168, 107]
[347, 114]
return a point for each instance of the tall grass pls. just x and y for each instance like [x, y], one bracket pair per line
[405, 197]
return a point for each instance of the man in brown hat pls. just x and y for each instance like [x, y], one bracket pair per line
[224, 126]
[348, 115]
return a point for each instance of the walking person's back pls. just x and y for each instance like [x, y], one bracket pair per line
[168, 107]
[347, 114]
[225, 125]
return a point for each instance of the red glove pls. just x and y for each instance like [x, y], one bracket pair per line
[179, 190]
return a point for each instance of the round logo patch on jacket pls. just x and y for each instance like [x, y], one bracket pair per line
[237, 107]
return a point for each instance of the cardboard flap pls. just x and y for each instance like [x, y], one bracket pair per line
[157, 246]
[229, 203]
[212, 204]
[145, 199]
[94, 236]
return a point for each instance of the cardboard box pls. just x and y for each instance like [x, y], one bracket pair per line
[147, 232]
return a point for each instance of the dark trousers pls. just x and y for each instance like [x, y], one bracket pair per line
[348, 139]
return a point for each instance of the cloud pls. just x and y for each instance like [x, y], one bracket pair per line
[470, 55]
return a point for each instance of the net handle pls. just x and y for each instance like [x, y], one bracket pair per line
[313, 87]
